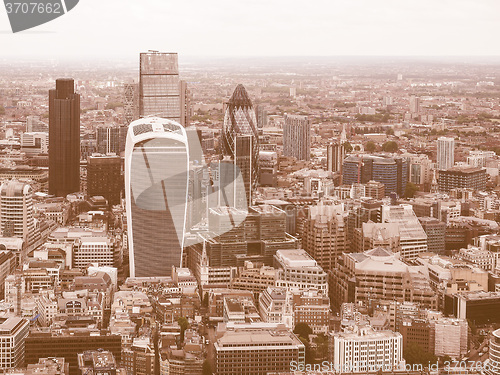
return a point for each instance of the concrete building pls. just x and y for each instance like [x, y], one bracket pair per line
[13, 333]
[435, 231]
[297, 137]
[104, 178]
[237, 350]
[462, 178]
[493, 362]
[445, 153]
[276, 306]
[364, 349]
[299, 271]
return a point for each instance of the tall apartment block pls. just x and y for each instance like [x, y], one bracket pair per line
[161, 93]
[64, 139]
[445, 153]
[335, 154]
[297, 137]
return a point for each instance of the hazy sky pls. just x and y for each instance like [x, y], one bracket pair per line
[123, 28]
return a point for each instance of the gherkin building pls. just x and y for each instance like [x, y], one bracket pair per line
[240, 140]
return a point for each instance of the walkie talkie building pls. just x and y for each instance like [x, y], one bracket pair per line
[156, 186]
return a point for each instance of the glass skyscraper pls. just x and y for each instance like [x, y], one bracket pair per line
[156, 187]
[240, 139]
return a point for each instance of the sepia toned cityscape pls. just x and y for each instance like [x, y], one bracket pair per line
[163, 213]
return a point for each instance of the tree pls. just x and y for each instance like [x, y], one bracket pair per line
[357, 148]
[410, 190]
[184, 324]
[2, 110]
[303, 330]
[207, 368]
[370, 146]
[390, 146]
[204, 303]
[347, 147]
[389, 131]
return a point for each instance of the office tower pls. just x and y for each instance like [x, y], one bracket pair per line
[324, 235]
[34, 124]
[493, 361]
[161, 93]
[413, 239]
[261, 114]
[414, 105]
[297, 137]
[335, 154]
[462, 178]
[445, 153]
[257, 350]
[371, 235]
[64, 139]
[16, 211]
[13, 333]
[104, 178]
[240, 140]
[130, 103]
[435, 231]
[365, 350]
[111, 139]
[392, 172]
[156, 187]
[8, 262]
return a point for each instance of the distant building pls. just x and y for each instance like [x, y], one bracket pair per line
[104, 178]
[64, 139]
[97, 362]
[392, 172]
[297, 137]
[335, 154]
[445, 153]
[462, 178]
[493, 362]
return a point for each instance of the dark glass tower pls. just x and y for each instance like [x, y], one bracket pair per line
[240, 139]
[64, 139]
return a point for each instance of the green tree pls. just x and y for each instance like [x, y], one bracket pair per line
[207, 368]
[357, 148]
[410, 190]
[347, 147]
[2, 110]
[303, 330]
[389, 131]
[390, 146]
[205, 300]
[370, 146]
[184, 324]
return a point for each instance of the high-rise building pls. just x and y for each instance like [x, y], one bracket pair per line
[335, 154]
[240, 139]
[13, 333]
[414, 105]
[64, 139]
[130, 103]
[297, 137]
[111, 139]
[16, 211]
[104, 177]
[392, 172]
[435, 231]
[156, 191]
[161, 93]
[445, 153]
[324, 235]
